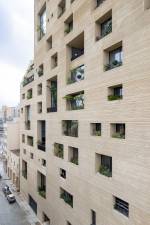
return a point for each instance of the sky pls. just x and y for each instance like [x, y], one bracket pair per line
[16, 46]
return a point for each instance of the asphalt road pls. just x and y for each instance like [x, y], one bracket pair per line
[10, 214]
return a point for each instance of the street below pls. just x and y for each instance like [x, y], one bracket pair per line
[10, 214]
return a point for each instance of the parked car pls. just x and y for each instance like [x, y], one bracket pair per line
[6, 190]
[11, 198]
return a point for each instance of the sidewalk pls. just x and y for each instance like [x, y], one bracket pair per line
[30, 215]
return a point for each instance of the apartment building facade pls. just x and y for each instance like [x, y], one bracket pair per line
[10, 143]
[85, 118]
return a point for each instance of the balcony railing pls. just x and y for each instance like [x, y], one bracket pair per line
[77, 53]
[52, 109]
[112, 65]
[27, 80]
[41, 146]
[75, 102]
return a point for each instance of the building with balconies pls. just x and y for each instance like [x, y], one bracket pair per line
[85, 113]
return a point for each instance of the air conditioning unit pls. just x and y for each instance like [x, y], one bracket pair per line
[79, 76]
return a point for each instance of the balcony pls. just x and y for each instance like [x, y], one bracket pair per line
[75, 101]
[76, 75]
[70, 128]
[41, 145]
[27, 80]
[59, 150]
[76, 47]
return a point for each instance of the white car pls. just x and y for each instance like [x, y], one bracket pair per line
[11, 198]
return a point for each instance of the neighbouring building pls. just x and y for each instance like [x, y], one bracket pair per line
[8, 113]
[11, 150]
[85, 113]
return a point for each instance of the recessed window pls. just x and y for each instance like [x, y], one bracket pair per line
[68, 223]
[73, 155]
[28, 117]
[114, 57]
[61, 8]
[96, 129]
[146, 4]
[118, 130]
[41, 29]
[115, 92]
[93, 217]
[41, 143]
[23, 96]
[49, 43]
[76, 47]
[41, 184]
[98, 3]
[59, 150]
[51, 95]
[44, 162]
[76, 75]
[75, 101]
[68, 24]
[24, 151]
[104, 165]
[23, 138]
[39, 89]
[66, 196]
[29, 94]
[24, 169]
[121, 206]
[30, 140]
[40, 70]
[54, 61]
[39, 107]
[31, 155]
[21, 110]
[70, 128]
[104, 25]
[63, 173]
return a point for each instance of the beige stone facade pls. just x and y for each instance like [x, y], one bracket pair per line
[12, 151]
[85, 113]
